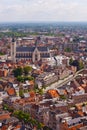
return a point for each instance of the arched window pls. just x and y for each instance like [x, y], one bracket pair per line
[36, 57]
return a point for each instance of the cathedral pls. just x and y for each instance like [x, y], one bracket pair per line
[33, 53]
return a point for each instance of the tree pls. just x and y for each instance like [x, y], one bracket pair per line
[70, 61]
[18, 71]
[26, 117]
[22, 115]
[75, 63]
[5, 107]
[1, 53]
[40, 91]
[28, 78]
[27, 69]
[21, 93]
[68, 49]
[24, 78]
[39, 126]
[81, 65]
[63, 97]
[46, 128]
[20, 79]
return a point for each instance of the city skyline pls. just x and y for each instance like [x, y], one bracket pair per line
[43, 10]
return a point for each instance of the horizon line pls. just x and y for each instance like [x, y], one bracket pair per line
[43, 22]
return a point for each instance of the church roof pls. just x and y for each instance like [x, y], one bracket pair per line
[30, 49]
[42, 48]
[25, 49]
[45, 56]
[23, 56]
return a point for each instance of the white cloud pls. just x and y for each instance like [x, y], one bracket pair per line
[43, 10]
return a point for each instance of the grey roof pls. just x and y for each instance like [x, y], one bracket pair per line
[10, 120]
[22, 128]
[83, 128]
[30, 49]
[45, 56]
[23, 56]
[42, 48]
[25, 49]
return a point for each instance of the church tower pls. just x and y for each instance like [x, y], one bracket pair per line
[13, 50]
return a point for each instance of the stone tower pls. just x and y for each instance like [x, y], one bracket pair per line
[13, 50]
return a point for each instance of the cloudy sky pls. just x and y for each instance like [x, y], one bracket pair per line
[43, 10]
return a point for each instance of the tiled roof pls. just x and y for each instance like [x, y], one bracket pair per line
[42, 49]
[17, 127]
[23, 56]
[45, 56]
[53, 93]
[11, 91]
[30, 49]
[31, 82]
[22, 128]
[10, 120]
[4, 116]
[25, 49]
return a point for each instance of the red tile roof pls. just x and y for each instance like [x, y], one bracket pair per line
[11, 91]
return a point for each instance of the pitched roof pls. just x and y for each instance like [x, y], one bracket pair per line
[22, 128]
[25, 49]
[30, 49]
[4, 116]
[53, 93]
[11, 91]
[11, 120]
[23, 56]
[17, 127]
[42, 48]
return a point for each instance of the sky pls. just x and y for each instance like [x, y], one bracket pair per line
[43, 10]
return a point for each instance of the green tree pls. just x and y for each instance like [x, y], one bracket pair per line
[1, 53]
[39, 126]
[21, 93]
[68, 49]
[46, 128]
[5, 106]
[26, 117]
[22, 115]
[63, 97]
[40, 91]
[81, 65]
[24, 78]
[28, 78]
[27, 69]
[78, 63]
[20, 79]
[18, 71]
[70, 61]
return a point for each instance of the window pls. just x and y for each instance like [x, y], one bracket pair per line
[36, 57]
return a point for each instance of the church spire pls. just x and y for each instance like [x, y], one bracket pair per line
[13, 40]
[36, 43]
[13, 50]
